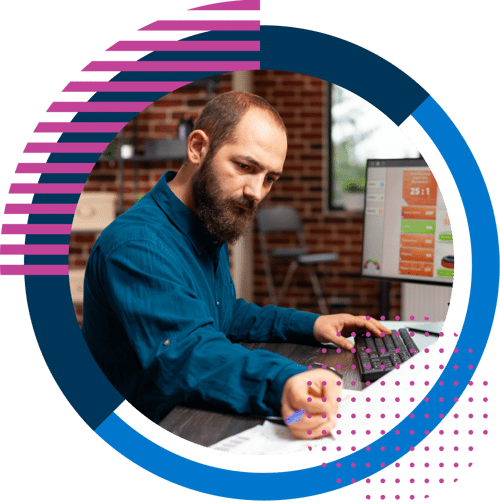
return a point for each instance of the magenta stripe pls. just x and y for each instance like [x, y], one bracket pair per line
[35, 269]
[65, 147]
[234, 5]
[186, 45]
[124, 87]
[203, 26]
[171, 66]
[34, 249]
[54, 167]
[36, 229]
[39, 208]
[79, 127]
[46, 188]
[98, 106]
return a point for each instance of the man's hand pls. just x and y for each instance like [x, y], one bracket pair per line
[333, 328]
[316, 392]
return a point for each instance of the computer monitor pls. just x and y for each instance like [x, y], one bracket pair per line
[407, 233]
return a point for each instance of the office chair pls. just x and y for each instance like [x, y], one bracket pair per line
[283, 218]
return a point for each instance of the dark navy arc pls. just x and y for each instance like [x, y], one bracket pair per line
[126, 96]
[226, 36]
[46, 259]
[201, 56]
[67, 199]
[74, 157]
[104, 116]
[163, 77]
[51, 218]
[340, 62]
[44, 239]
[88, 137]
[65, 351]
[63, 178]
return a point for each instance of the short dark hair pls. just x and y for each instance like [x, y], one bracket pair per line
[223, 113]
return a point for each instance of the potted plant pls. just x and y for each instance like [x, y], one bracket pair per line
[354, 195]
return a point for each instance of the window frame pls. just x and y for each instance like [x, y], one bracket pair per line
[330, 200]
[331, 205]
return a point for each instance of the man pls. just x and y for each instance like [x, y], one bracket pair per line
[160, 312]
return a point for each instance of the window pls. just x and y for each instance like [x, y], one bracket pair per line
[358, 131]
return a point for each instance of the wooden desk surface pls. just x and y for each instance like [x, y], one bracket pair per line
[207, 427]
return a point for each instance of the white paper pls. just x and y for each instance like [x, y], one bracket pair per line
[273, 439]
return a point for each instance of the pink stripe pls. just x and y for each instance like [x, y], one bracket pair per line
[34, 249]
[54, 167]
[46, 188]
[235, 5]
[98, 106]
[171, 66]
[203, 26]
[124, 87]
[186, 45]
[35, 269]
[40, 208]
[36, 229]
[65, 147]
[79, 127]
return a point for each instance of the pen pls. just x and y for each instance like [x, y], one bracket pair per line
[295, 417]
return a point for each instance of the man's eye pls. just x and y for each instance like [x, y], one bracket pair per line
[270, 180]
[243, 166]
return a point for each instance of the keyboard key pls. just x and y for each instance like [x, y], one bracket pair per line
[377, 356]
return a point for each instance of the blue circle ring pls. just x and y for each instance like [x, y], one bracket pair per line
[399, 97]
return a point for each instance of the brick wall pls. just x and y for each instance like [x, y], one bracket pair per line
[158, 121]
[301, 100]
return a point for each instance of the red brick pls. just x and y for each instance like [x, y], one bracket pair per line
[164, 128]
[168, 103]
[283, 94]
[311, 136]
[154, 116]
[309, 113]
[310, 93]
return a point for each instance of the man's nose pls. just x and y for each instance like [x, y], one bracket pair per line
[254, 189]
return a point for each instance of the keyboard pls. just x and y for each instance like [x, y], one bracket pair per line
[378, 356]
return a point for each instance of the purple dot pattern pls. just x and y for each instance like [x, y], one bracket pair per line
[430, 400]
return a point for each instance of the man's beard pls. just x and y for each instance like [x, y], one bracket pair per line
[221, 216]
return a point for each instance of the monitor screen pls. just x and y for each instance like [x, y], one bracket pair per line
[407, 233]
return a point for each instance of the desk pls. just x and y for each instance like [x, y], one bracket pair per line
[207, 427]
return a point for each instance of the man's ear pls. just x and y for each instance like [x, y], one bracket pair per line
[197, 147]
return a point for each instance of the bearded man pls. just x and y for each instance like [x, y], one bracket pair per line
[160, 312]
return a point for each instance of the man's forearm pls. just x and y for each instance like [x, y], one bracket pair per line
[270, 324]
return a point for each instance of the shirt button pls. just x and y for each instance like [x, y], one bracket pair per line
[217, 303]
[166, 343]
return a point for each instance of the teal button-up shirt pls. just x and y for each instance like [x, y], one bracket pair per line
[161, 318]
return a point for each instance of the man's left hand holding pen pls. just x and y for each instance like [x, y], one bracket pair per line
[310, 403]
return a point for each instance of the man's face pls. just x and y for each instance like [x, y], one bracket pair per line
[229, 185]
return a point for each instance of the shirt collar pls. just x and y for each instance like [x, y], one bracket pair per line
[180, 215]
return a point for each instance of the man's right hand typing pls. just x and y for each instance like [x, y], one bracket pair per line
[310, 402]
